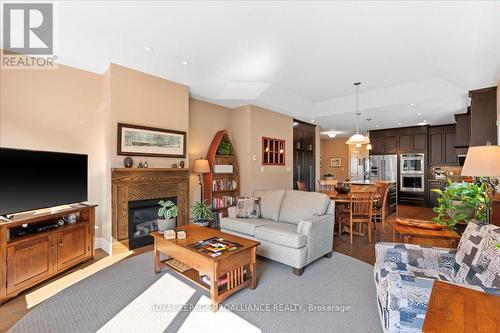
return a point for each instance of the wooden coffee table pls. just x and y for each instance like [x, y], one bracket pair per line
[230, 265]
[458, 309]
[422, 236]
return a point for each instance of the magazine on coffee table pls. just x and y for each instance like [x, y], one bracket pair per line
[215, 246]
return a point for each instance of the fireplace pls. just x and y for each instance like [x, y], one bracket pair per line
[142, 219]
[136, 192]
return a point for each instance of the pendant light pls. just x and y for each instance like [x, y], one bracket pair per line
[357, 138]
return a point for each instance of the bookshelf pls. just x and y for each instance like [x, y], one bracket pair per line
[221, 189]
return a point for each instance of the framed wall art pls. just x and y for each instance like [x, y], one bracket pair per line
[139, 140]
[336, 162]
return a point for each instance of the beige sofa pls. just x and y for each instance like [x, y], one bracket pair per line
[296, 227]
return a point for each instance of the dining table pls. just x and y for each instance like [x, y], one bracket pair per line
[342, 200]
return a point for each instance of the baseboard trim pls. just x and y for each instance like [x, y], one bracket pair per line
[103, 244]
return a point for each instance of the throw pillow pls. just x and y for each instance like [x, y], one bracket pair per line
[248, 208]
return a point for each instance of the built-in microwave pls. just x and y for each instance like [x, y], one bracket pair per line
[412, 182]
[412, 163]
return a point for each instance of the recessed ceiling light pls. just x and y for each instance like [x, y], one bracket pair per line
[400, 124]
[377, 126]
[332, 134]
[295, 124]
[185, 62]
[412, 104]
[312, 120]
[425, 120]
[148, 48]
[419, 114]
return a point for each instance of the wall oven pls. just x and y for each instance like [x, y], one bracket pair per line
[412, 182]
[412, 163]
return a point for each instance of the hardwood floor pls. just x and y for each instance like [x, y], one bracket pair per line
[363, 250]
[15, 309]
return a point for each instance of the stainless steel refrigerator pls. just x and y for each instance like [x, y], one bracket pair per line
[385, 168]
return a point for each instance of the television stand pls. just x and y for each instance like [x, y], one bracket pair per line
[29, 259]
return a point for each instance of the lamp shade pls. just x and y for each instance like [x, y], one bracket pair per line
[358, 138]
[482, 161]
[201, 166]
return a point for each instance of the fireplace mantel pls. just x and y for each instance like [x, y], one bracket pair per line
[130, 184]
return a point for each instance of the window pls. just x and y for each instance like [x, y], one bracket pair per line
[273, 151]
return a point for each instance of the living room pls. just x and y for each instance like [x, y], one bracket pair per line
[247, 115]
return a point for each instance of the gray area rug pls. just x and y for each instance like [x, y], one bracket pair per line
[328, 284]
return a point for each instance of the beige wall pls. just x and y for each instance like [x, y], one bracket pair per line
[57, 110]
[274, 125]
[205, 119]
[240, 133]
[334, 148]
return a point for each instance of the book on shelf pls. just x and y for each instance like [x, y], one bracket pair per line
[223, 201]
[224, 185]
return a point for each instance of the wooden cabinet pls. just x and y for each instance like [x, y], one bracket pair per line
[420, 143]
[33, 258]
[30, 262]
[406, 143]
[462, 130]
[390, 144]
[71, 246]
[442, 145]
[483, 129]
[377, 147]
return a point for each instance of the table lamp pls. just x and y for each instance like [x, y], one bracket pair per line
[483, 161]
[201, 167]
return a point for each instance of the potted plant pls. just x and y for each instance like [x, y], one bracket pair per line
[461, 202]
[328, 176]
[225, 148]
[201, 213]
[169, 211]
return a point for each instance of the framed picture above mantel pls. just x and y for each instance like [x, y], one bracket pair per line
[273, 151]
[136, 140]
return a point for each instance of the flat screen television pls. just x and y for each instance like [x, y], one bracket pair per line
[32, 180]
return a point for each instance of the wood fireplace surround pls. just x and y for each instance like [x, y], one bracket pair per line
[130, 184]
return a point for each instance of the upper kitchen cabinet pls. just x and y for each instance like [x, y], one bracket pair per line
[399, 140]
[462, 130]
[442, 145]
[483, 119]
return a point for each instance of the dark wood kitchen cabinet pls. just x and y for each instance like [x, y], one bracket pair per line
[399, 140]
[442, 145]
[462, 130]
[390, 144]
[483, 129]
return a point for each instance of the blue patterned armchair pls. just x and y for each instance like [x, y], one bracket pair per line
[404, 274]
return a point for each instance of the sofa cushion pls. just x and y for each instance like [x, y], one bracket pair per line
[281, 233]
[248, 208]
[270, 203]
[300, 205]
[243, 226]
[477, 258]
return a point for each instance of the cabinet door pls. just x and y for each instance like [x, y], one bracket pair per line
[419, 143]
[462, 130]
[406, 143]
[436, 148]
[390, 145]
[377, 147]
[450, 155]
[72, 246]
[30, 262]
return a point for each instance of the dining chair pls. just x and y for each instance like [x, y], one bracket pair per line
[361, 208]
[327, 185]
[380, 206]
[301, 186]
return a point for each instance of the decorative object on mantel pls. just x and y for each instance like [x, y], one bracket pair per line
[145, 164]
[150, 141]
[273, 151]
[181, 164]
[483, 162]
[336, 162]
[357, 138]
[140, 165]
[169, 211]
[128, 162]
[202, 214]
[174, 166]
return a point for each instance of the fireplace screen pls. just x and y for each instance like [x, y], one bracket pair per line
[143, 219]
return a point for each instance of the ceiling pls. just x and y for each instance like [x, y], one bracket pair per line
[298, 58]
